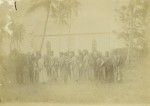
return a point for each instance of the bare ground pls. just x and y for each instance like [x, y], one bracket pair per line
[134, 89]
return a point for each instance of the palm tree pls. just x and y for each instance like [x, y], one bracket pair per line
[60, 10]
[132, 18]
[4, 11]
[17, 36]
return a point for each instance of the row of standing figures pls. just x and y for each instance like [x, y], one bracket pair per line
[73, 68]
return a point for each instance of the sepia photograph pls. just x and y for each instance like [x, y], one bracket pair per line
[86, 52]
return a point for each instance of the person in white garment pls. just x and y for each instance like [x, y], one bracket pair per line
[43, 78]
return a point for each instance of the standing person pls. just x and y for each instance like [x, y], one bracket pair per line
[73, 67]
[26, 74]
[31, 67]
[20, 68]
[93, 63]
[118, 64]
[63, 66]
[36, 73]
[67, 71]
[49, 65]
[86, 66]
[56, 69]
[42, 71]
[80, 64]
[99, 67]
[109, 68]
[35, 67]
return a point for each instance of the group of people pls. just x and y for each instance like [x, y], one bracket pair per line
[69, 66]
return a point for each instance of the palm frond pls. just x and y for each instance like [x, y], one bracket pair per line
[60, 10]
[67, 8]
[38, 4]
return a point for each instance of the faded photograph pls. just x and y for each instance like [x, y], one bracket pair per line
[75, 51]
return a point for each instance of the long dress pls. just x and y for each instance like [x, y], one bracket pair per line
[43, 78]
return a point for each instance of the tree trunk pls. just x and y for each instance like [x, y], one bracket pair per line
[131, 24]
[45, 29]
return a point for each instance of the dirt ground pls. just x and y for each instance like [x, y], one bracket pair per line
[134, 89]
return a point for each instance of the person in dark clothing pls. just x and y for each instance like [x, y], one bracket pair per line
[108, 68]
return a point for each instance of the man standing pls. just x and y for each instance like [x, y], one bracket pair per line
[42, 71]
[31, 67]
[108, 68]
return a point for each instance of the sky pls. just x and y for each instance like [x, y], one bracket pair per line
[9, 1]
[95, 16]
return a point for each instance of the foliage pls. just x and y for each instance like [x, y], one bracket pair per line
[60, 10]
[18, 34]
[133, 22]
[4, 12]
